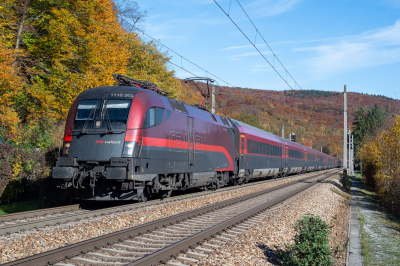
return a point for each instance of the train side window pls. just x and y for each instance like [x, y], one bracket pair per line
[153, 117]
[159, 115]
[150, 120]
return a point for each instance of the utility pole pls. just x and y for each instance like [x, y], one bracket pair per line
[352, 156]
[349, 166]
[345, 132]
[321, 148]
[311, 145]
[213, 100]
[283, 131]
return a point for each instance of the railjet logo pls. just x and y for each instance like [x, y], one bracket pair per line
[108, 142]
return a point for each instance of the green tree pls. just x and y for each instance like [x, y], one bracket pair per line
[360, 129]
[250, 120]
[376, 119]
[366, 124]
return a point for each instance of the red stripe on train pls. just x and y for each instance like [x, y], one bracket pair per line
[167, 143]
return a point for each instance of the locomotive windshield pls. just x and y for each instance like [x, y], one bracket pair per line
[102, 115]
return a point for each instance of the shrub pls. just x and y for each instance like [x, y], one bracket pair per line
[17, 164]
[311, 243]
[25, 175]
[345, 180]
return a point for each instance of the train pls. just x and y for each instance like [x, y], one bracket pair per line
[131, 142]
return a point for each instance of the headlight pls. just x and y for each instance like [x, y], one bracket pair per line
[66, 148]
[129, 149]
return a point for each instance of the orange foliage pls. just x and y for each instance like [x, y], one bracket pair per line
[9, 79]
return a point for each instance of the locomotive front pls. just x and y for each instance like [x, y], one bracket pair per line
[97, 151]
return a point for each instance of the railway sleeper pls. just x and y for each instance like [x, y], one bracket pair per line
[124, 252]
[108, 257]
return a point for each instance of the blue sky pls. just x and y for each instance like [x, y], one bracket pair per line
[322, 44]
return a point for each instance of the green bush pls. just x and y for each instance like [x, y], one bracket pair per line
[25, 175]
[345, 180]
[311, 243]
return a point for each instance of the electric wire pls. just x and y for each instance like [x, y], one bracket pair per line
[254, 45]
[182, 57]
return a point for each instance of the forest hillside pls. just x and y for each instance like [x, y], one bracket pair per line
[315, 116]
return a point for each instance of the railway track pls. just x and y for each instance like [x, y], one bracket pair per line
[194, 233]
[14, 223]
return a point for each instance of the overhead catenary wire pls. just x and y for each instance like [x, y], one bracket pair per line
[254, 45]
[182, 57]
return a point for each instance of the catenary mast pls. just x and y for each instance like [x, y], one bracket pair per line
[345, 133]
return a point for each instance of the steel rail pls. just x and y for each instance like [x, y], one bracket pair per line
[84, 214]
[182, 246]
[31, 214]
[75, 207]
[53, 256]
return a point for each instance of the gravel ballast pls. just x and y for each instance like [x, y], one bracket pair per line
[258, 244]
[37, 241]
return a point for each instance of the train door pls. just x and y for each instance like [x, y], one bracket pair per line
[242, 148]
[283, 155]
[190, 138]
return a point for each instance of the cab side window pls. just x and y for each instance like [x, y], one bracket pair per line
[159, 115]
[153, 117]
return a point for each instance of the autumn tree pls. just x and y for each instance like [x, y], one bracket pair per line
[60, 49]
[79, 44]
[10, 81]
[381, 165]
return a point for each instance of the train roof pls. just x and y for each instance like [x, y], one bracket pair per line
[106, 92]
[255, 131]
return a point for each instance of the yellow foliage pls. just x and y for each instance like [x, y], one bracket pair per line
[146, 62]
[381, 159]
[87, 46]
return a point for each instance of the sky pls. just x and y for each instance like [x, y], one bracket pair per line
[323, 45]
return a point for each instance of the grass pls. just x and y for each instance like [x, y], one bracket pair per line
[21, 206]
[386, 219]
[365, 242]
[358, 174]
[344, 195]
[364, 190]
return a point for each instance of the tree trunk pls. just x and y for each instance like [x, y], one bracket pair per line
[22, 24]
